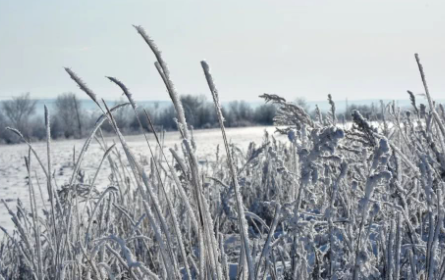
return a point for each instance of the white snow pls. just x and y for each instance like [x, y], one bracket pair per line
[13, 174]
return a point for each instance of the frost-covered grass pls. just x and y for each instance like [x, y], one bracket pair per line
[13, 173]
[324, 202]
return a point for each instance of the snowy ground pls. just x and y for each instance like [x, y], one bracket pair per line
[13, 175]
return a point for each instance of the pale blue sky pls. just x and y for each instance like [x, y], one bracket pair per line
[353, 49]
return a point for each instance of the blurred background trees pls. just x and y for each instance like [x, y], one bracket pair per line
[17, 113]
[67, 114]
[71, 119]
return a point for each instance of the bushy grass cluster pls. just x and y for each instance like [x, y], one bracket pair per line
[328, 203]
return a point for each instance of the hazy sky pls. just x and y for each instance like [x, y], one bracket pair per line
[352, 49]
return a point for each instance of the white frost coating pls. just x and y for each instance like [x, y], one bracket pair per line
[239, 200]
[379, 155]
[358, 201]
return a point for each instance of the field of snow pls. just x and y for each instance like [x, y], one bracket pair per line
[13, 174]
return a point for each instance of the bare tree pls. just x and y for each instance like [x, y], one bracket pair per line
[3, 125]
[121, 116]
[68, 111]
[18, 111]
[198, 112]
[302, 102]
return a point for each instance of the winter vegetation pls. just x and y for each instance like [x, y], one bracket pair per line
[72, 119]
[326, 202]
[69, 120]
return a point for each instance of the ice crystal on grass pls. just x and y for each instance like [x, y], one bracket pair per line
[325, 201]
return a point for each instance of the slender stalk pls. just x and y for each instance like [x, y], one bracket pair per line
[239, 200]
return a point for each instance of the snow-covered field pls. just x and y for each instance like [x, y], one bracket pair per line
[13, 174]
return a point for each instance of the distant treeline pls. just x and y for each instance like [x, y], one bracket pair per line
[70, 120]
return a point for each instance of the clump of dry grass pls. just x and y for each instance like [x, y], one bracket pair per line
[331, 203]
